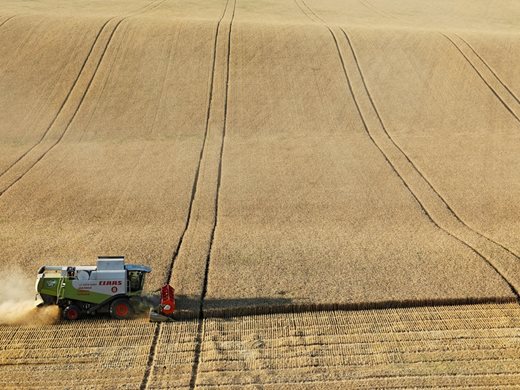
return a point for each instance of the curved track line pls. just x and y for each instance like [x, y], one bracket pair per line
[489, 68]
[200, 326]
[116, 50]
[450, 209]
[158, 329]
[64, 101]
[425, 211]
[73, 115]
[144, 9]
[389, 15]
[430, 185]
[315, 15]
[8, 19]
[497, 95]
[303, 11]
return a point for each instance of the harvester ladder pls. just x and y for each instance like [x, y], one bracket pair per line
[61, 289]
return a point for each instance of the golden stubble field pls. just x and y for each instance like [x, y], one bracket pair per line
[282, 164]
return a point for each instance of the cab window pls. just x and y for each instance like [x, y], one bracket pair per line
[135, 280]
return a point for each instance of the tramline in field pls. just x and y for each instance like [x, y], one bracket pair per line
[109, 287]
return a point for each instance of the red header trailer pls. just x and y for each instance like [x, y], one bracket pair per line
[164, 311]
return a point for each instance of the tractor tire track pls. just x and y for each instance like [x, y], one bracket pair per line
[416, 168]
[424, 193]
[490, 79]
[158, 329]
[513, 95]
[60, 137]
[502, 97]
[64, 101]
[414, 165]
[148, 7]
[153, 4]
[510, 252]
[116, 50]
[7, 19]
[200, 325]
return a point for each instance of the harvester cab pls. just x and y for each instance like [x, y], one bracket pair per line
[109, 287]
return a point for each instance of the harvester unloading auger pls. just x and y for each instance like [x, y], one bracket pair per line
[109, 287]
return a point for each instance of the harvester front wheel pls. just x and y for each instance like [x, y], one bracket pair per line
[121, 309]
[71, 313]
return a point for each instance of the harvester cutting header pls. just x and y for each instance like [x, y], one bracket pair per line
[109, 287]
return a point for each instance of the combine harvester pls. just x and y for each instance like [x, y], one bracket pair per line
[109, 287]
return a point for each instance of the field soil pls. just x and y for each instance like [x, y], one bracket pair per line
[330, 186]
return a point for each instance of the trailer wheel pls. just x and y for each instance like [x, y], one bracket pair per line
[121, 309]
[71, 313]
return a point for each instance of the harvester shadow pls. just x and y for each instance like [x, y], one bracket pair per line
[188, 307]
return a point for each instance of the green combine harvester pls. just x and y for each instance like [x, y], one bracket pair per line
[109, 287]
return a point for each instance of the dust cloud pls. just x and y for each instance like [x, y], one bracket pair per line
[17, 301]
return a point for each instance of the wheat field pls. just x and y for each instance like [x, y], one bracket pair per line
[330, 187]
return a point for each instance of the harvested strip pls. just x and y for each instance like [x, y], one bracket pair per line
[433, 350]
[81, 355]
[173, 360]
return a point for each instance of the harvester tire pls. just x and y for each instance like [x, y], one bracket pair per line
[71, 313]
[121, 309]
